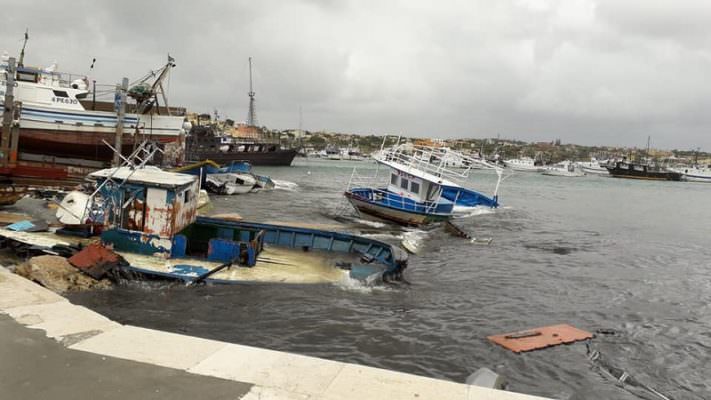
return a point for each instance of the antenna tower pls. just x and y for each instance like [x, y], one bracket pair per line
[252, 115]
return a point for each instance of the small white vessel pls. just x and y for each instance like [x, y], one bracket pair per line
[525, 164]
[565, 168]
[696, 173]
[594, 167]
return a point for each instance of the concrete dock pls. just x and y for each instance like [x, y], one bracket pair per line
[82, 354]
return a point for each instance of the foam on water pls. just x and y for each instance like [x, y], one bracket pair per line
[285, 185]
[374, 224]
[466, 212]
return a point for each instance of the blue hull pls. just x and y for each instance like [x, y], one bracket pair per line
[220, 241]
[391, 206]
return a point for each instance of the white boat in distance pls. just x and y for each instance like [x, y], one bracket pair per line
[525, 164]
[565, 169]
[594, 166]
[696, 173]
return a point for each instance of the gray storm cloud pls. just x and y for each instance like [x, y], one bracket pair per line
[588, 72]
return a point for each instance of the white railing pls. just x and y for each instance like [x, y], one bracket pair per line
[435, 161]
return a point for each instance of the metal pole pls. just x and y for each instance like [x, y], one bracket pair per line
[15, 134]
[121, 93]
[8, 112]
[93, 97]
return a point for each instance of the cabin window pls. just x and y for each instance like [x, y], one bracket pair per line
[404, 183]
[393, 179]
[415, 187]
[60, 93]
[26, 77]
[186, 199]
[134, 211]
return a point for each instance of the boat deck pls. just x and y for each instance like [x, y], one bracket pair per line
[274, 265]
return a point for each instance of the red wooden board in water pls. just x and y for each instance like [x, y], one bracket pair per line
[539, 338]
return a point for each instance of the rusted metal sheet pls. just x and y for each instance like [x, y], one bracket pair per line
[95, 260]
[539, 338]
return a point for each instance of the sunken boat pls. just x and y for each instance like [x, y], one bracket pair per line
[148, 216]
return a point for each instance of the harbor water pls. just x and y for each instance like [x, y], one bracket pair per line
[630, 257]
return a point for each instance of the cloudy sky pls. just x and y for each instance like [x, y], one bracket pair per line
[586, 71]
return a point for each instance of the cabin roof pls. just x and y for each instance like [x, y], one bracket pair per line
[150, 176]
[418, 173]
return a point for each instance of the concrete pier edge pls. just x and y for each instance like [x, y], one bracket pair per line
[273, 374]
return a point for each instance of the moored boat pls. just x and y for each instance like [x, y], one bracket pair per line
[54, 122]
[633, 170]
[594, 167]
[204, 143]
[694, 173]
[525, 164]
[565, 169]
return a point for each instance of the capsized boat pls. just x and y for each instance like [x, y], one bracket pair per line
[206, 168]
[149, 217]
[230, 183]
[421, 188]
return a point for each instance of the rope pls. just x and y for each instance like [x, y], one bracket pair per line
[622, 377]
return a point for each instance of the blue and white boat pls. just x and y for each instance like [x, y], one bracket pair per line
[421, 187]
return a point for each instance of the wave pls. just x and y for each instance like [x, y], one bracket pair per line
[466, 212]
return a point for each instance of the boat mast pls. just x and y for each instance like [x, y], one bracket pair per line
[21, 62]
[252, 114]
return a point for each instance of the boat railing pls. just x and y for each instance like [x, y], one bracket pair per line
[436, 161]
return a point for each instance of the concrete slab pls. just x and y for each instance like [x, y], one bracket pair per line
[61, 319]
[268, 393]
[356, 382]
[151, 346]
[289, 372]
[35, 367]
[276, 375]
[17, 291]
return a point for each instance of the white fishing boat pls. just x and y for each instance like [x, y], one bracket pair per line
[55, 121]
[565, 169]
[524, 164]
[594, 167]
[695, 173]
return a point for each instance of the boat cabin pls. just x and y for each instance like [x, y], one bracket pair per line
[413, 187]
[153, 212]
[145, 207]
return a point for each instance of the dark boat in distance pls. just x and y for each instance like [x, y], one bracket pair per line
[206, 143]
[632, 170]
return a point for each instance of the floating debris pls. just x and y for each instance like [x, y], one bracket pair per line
[540, 338]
